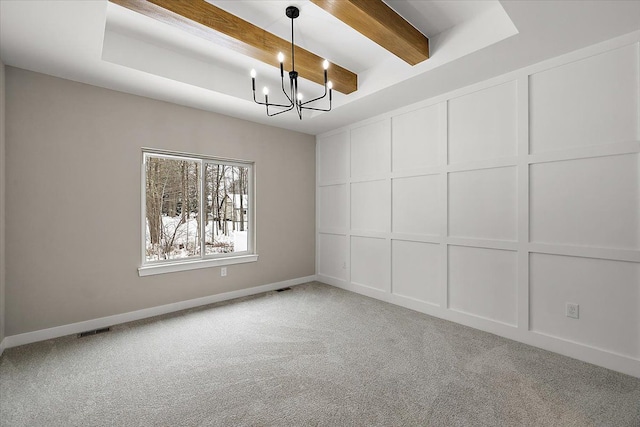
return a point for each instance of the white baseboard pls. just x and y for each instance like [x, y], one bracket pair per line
[606, 359]
[103, 322]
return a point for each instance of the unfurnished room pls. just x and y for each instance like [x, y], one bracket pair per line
[320, 213]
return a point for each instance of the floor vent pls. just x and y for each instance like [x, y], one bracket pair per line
[94, 332]
[283, 289]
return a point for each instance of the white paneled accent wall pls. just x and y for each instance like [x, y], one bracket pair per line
[369, 263]
[482, 125]
[416, 270]
[498, 204]
[415, 205]
[586, 202]
[581, 95]
[370, 206]
[410, 153]
[483, 203]
[477, 273]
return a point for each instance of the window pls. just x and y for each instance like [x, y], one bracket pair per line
[197, 212]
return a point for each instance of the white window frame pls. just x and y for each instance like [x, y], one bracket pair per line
[203, 261]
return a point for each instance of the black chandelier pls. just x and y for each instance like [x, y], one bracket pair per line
[294, 97]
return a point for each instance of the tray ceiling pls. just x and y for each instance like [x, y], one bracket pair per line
[104, 44]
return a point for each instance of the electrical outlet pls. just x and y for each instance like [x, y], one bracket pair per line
[573, 310]
[223, 271]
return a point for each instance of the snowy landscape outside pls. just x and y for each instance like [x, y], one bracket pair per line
[173, 205]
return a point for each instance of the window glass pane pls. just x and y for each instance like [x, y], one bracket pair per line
[172, 208]
[227, 206]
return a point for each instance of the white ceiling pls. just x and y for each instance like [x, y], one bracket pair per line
[98, 43]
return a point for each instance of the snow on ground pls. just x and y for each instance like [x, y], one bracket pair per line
[186, 241]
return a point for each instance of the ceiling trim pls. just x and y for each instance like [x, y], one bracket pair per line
[205, 20]
[381, 24]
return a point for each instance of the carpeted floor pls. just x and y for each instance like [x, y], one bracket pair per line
[312, 356]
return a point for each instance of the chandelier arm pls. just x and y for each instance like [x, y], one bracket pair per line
[279, 112]
[256, 101]
[316, 99]
[316, 109]
[270, 104]
[285, 92]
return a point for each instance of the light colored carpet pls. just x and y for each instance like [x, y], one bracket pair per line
[312, 356]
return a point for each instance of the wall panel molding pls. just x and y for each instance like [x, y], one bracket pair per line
[604, 210]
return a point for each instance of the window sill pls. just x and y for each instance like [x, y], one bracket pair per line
[149, 270]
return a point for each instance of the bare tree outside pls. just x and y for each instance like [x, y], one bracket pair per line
[174, 223]
[172, 201]
[227, 200]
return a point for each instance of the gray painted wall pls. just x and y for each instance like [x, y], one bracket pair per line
[2, 204]
[73, 200]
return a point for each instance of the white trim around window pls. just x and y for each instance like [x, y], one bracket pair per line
[172, 267]
[197, 257]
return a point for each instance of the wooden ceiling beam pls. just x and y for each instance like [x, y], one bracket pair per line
[205, 20]
[381, 24]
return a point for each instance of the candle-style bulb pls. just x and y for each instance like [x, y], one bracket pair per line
[325, 64]
[280, 57]
[265, 90]
[330, 85]
[253, 74]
